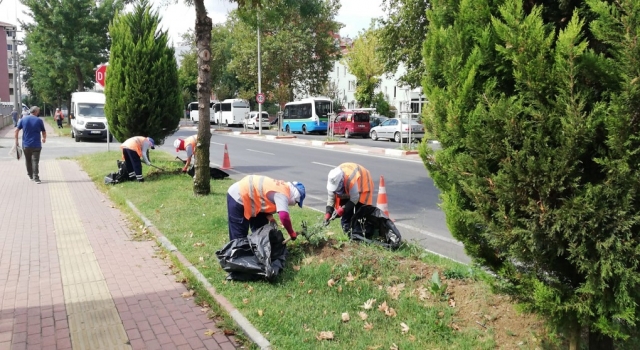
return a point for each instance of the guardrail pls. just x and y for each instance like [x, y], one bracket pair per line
[5, 120]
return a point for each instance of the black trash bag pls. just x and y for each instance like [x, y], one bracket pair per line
[260, 256]
[121, 175]
[215, 173]
[369, 224]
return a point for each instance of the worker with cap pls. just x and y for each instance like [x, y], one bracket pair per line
[252, 201]
[134, 150]
[349, 187]
[189, 145]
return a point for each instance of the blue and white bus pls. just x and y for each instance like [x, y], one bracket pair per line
[307, 115]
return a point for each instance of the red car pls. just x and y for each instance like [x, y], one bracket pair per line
[351, 123]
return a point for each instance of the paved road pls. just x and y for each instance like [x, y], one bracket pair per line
[413, 199]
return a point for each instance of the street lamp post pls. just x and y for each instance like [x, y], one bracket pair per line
[259, 82]
[14, 52]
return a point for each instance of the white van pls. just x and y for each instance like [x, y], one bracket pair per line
[194, 115]
[87, 116]
[231, 112]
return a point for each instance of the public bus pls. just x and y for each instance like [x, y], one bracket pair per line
[230, 112]
[193, 111]
[307, 115]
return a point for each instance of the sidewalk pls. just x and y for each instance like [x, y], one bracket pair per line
[72, 278]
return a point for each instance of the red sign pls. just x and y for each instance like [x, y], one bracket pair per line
[260, 98]
[101, 75]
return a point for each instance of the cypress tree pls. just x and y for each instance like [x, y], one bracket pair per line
[142, 90]
[537, 116]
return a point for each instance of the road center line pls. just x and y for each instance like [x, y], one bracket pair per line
[329, 165]
[252, 150]
[217, 143]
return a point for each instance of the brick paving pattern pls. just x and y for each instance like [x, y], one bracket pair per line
[72, 278]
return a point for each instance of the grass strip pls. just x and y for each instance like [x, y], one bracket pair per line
[333, 294]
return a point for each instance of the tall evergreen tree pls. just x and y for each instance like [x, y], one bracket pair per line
[142, 91]
[539, 160]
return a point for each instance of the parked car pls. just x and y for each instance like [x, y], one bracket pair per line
[391, 129]
[351, 123]
[376, 120]
[253, 122]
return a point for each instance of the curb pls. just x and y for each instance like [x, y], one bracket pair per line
[242, 322]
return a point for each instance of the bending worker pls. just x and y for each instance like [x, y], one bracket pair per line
[189, 145]
[133, 151]
[252, 201]
[349, 187]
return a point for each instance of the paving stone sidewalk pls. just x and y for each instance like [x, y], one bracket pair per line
[71, 277]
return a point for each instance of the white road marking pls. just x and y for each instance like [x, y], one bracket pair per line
[252, 150]
[218, 143]
[328, 165]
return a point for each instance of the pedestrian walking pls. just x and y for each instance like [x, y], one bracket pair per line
[58, 117]
[14, 116]
[252, 201]
[32, 129]
[349, 187]
[134, 150]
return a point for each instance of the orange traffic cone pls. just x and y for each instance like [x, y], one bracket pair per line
[226, 164]
[382, 199]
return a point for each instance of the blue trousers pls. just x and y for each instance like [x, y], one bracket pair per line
[238, 225]
[133, 162]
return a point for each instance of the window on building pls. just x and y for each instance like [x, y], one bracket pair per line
[10, 91]
[345, 71]
[352, 85]
[10, 77]
[10, 62]
[9, 47]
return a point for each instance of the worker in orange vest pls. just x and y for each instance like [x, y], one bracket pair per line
[189, 145]
[349, 187]
[134, 150]
[252, 201]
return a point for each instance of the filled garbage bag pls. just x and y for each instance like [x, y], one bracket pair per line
[119, 176]
[259, 256]
[215, 173]
[16, 152]
[369, 224]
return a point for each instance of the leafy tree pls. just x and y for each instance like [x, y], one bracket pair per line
[188, 70]
[401, 36]
[72, 36]
[365, 64]
[298, 48]
[224, 82]
[143, 96]
[539, 162]
[381, 104]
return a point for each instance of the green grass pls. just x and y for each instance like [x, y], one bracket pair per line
[65, 131]
[292, 311]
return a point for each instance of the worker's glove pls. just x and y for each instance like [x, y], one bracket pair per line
[340, 211]
[293, 236]
[148, 163]
[184, 170]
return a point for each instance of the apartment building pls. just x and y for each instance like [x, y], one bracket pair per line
[6, 62]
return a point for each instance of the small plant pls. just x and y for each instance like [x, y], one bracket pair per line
[437, 288]
[331, 138]
[458, 273]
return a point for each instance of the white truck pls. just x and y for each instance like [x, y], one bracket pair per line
[88, 120]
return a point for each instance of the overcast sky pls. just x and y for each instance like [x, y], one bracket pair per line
[354, 14]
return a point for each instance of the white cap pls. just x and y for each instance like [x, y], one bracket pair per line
[334, 179]
[176, 143]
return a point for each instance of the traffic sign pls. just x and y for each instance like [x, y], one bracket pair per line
[101, 75]
[260, 98]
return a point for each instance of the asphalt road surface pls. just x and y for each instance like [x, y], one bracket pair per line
[412, 197]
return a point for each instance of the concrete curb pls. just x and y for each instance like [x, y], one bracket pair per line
[242, 322]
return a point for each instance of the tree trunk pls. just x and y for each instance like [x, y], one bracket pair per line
[202, 185]
[598, 341]
[80, 77]
[574, 336]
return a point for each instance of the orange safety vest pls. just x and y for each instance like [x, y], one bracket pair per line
[355, 174]
[253, 191]
[192, 140]
[135, 144]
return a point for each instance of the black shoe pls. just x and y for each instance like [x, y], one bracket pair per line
[140, 180]
[38, 181]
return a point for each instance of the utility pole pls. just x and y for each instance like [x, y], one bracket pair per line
[14, 53]
[259, 81]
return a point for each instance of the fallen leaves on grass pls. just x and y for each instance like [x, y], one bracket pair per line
[452, 302]
[331, 282]
[394, 291]
[368, 304]
[339, 289]
[201, 259]
[325, 335]
[229, 332]
[260, 312]
[350, 278]
[245, 301]
[198, 244]
[188, 293]
[389, 311]
[455, 327]
[310, 291]
[205, 309]
[383, 307]
[209, 332]
[376, 347]
[368, 326]
[363, 315]
[307, 261]
[404, 328]
[394, 347]
[345, 317]
[296, 268]
[421, 292]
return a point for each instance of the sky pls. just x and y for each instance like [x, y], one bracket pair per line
[355, 15]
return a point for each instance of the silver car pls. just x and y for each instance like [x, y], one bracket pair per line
[252, 121]
[392, 129]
